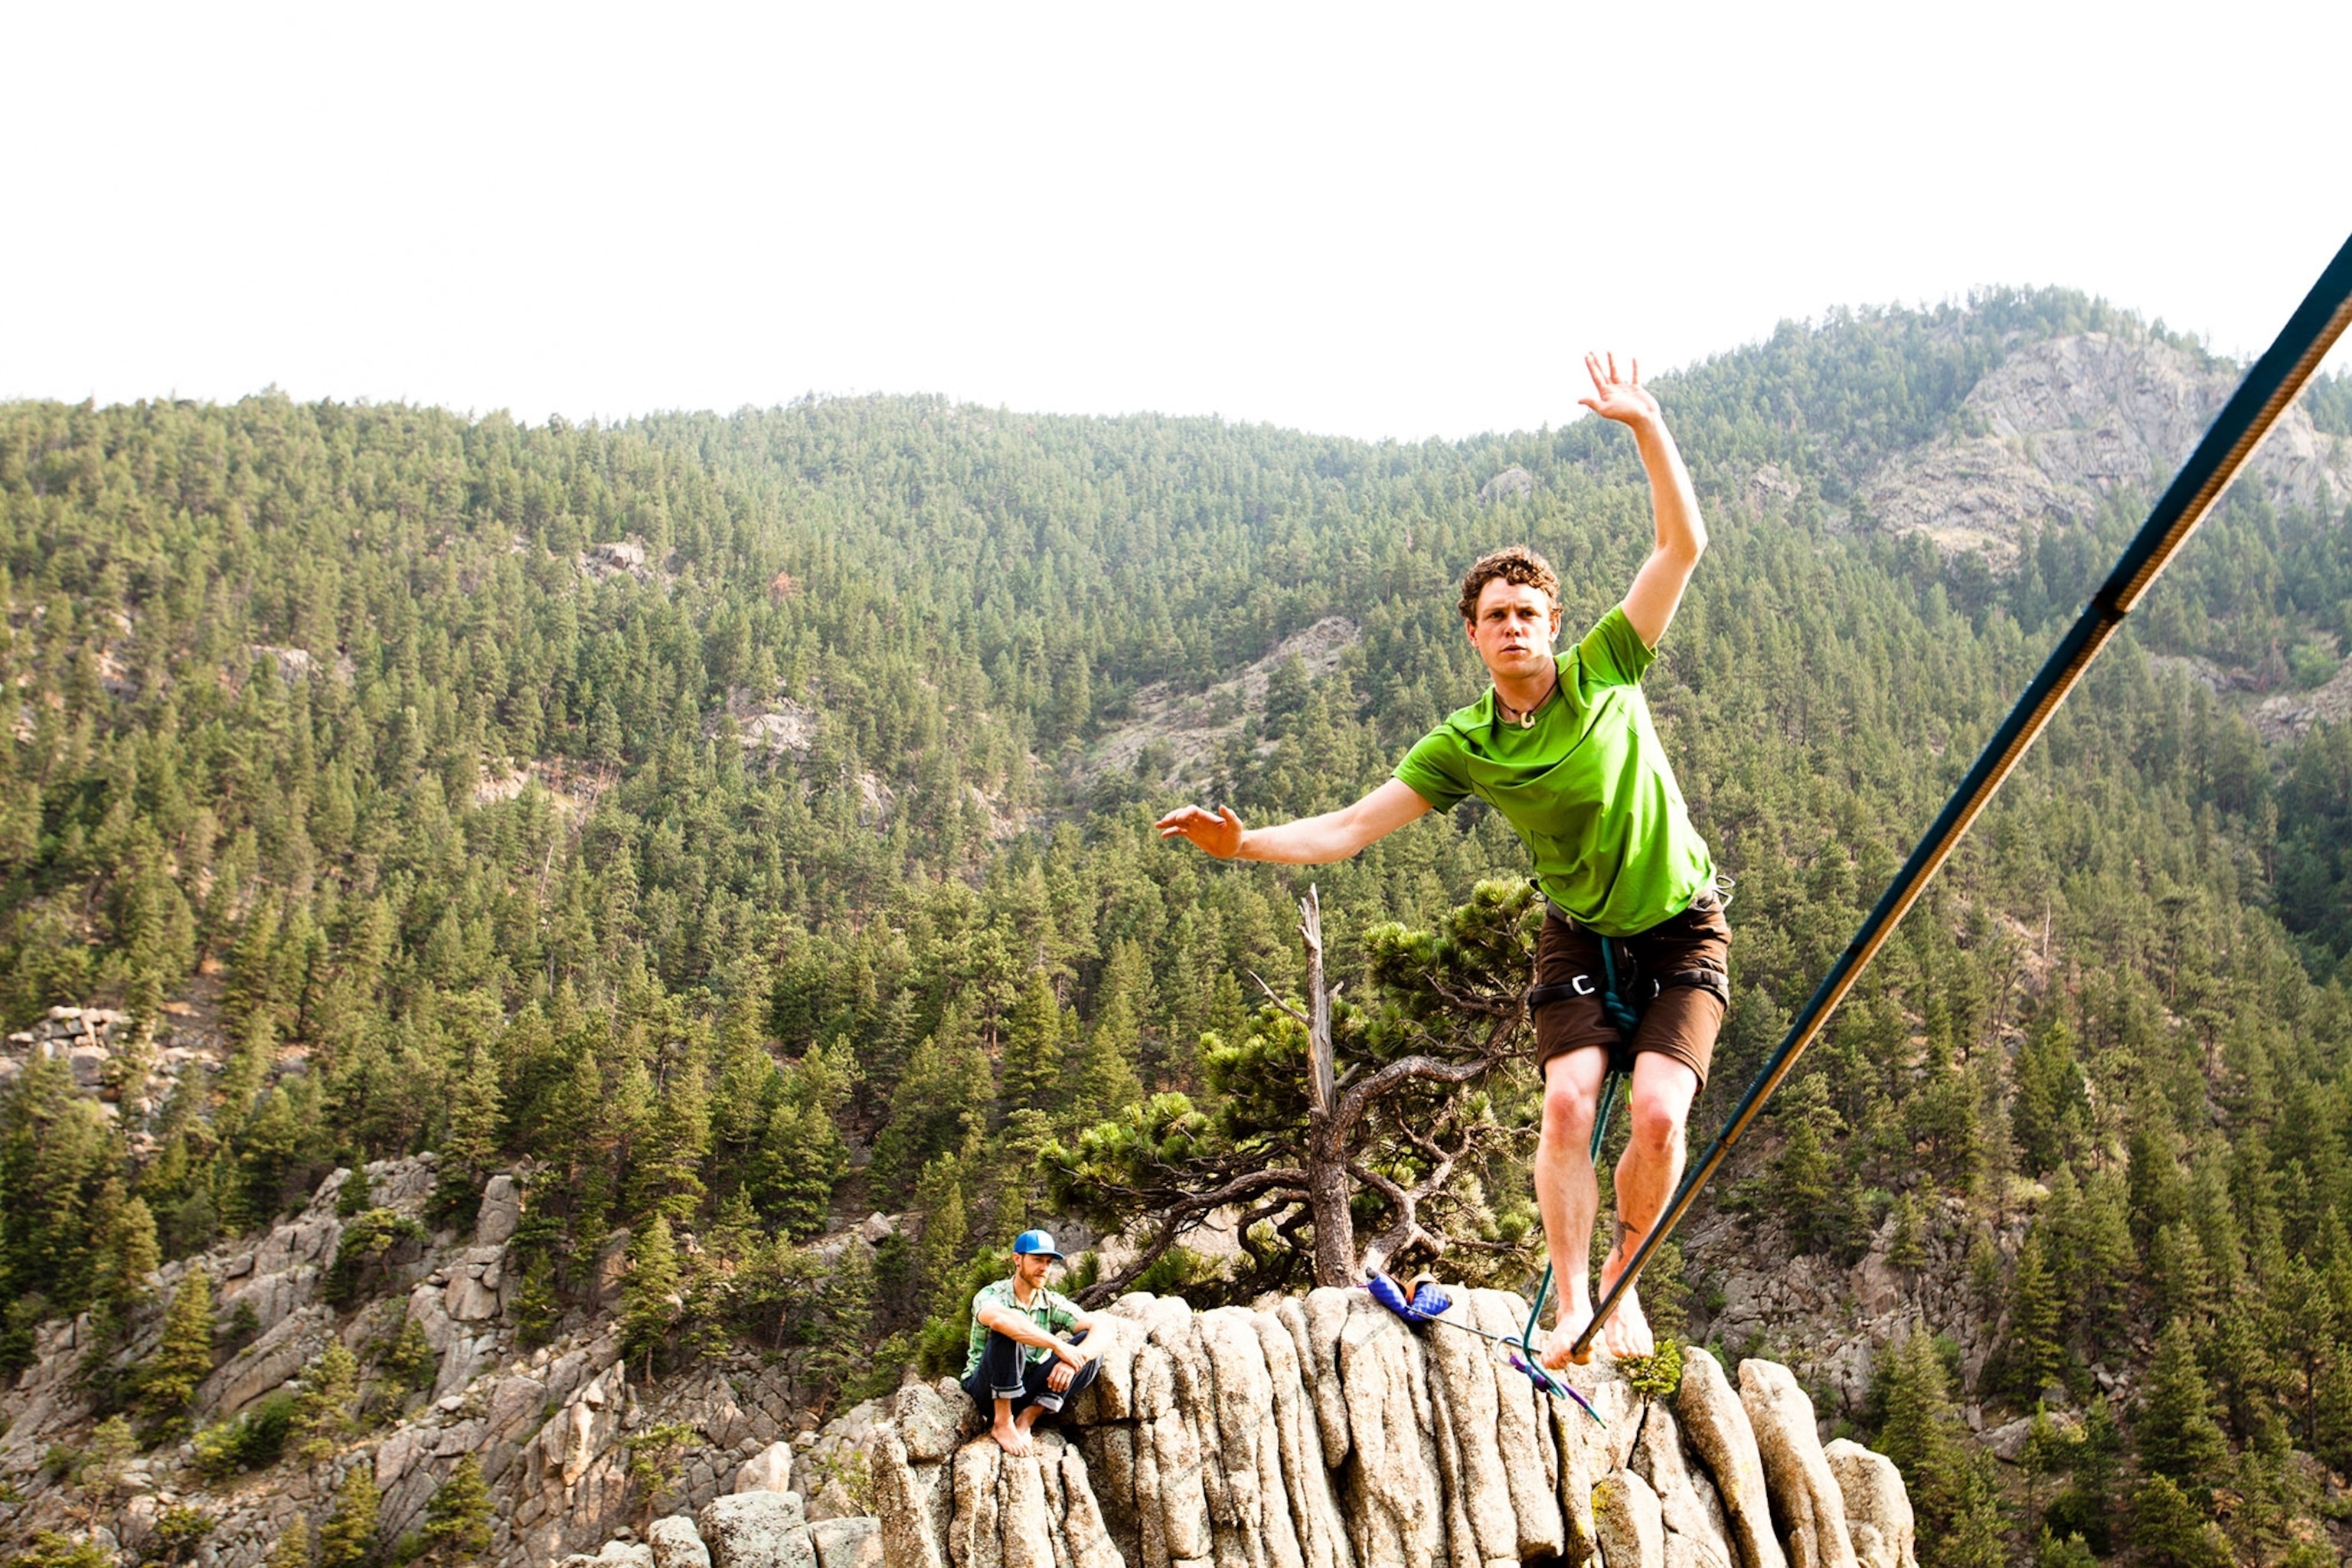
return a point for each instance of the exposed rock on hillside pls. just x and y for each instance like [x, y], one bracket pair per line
[129, 1070]
[1324, 1434]
[549, 1425]
[1192, 728]
[771, 724]
[2292, 713]
[2062, 423]
[1510, 484]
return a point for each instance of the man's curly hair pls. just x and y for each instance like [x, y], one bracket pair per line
[1513, 564]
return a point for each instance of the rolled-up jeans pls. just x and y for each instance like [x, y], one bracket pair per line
[1004, 1373]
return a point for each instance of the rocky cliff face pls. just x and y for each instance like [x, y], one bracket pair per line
[1320, 1432]
[2062, 423]
[1325, 1434]
[550, 1424]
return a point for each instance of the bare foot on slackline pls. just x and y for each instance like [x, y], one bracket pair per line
[1560, 1345]
[1627, 1331]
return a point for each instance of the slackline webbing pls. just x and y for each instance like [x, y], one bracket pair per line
[2269, 387]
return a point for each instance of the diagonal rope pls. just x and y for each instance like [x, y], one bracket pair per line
[2268, 388]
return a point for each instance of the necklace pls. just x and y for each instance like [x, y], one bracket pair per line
[1525, 721]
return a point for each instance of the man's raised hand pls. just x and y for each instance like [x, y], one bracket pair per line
[1219, 835]
[1625, 400]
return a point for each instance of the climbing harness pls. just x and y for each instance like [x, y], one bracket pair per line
[1619, 1008]
[2262, 397]
[1617, 988]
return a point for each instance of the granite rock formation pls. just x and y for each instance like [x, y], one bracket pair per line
[1322, 1433]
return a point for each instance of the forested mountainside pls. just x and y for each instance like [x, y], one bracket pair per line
[738, 823]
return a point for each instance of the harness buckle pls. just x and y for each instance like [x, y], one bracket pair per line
[1583, 985]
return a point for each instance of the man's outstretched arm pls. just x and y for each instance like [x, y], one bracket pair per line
[1657, 589]
[1310, 840]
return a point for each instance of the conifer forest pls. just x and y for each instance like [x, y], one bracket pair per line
[736, 825]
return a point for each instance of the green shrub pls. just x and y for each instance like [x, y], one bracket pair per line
[367, 1248]
[253, 1441]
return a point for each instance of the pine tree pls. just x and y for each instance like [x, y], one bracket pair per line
[353, 1197]
[1107, 1081]
[1031, 1054]
[457, 1520]
[1952, 1490]
[677, 1140]
[2037, 1358]
[2171, 1531]
[2175, 1432]
[2332, 1423]
[167, 1380]
[649, 1298]
[348, 1538]
[130, 1255]
[2049, 1084]
[940, 1199]
[475, 1111]
[1803, 1189]
[1906, 1247]
[293, 1548]
[322, 1410]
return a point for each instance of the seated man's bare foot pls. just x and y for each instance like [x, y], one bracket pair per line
[1012, 1437]
[1560, 1346]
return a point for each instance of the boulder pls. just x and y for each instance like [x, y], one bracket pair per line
[1715, 1422]
[1804, 1493]
[469, 1300]
[1877, 1508]
[769, 1470]
[1627, 1519]
[906, 1493]
[676, 1543]
[1693, 1514]
[496, 1221]
[756, 1530]
[932, 1420]
[616, 1554]
[854, 1542]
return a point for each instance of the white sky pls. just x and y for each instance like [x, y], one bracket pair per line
[1373, 221]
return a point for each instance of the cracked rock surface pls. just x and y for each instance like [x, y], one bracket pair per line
[1323, 1433]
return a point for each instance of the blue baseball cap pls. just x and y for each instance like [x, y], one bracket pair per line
[1035, 1244]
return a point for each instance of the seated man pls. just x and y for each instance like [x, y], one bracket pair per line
[1019, 1364]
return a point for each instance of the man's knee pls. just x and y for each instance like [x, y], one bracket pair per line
[1569, 1103]
[1656, 1123]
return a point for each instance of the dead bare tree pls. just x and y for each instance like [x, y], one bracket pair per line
[1294, 1143]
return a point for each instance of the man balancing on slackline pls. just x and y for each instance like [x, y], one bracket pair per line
[1564, 749]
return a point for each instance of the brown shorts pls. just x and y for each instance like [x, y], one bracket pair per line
[1680, 1020]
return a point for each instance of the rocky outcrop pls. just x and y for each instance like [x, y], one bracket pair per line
[1514, 483]
[1186, 731]
[1721, 1439]
[2291, 714]
[550, 1424]
[1806, 1502]
[2062, 423]
[1323, 1433]
[1877, 1509]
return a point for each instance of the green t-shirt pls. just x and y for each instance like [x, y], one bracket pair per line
[1049, 1309]
[1587, 787]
